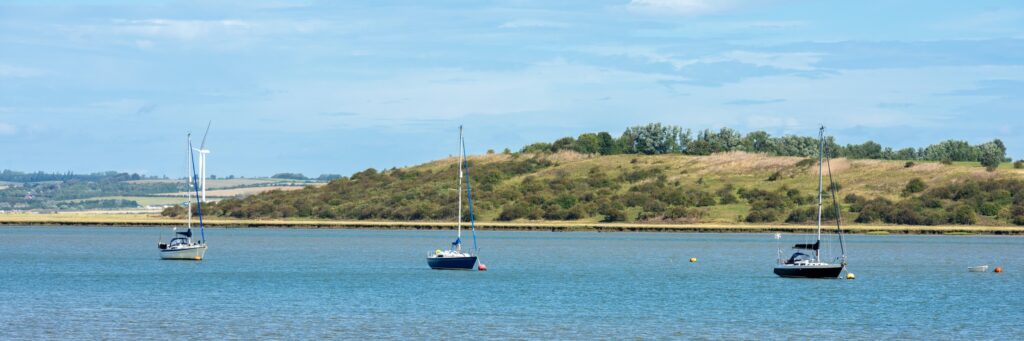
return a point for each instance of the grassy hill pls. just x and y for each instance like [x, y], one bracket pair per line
[671, 188]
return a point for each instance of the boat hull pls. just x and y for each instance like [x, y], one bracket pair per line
[451, 263]
[809, 271]
[186, 253]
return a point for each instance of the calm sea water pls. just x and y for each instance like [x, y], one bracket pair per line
[103, 283]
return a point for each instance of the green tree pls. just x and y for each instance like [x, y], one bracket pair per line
[606, 144]
[565, 143]
[588, 143]
[991, 154]
[756, 142]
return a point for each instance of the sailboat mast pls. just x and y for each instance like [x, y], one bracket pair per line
[188, 181]
[461, 146]
[821, 178]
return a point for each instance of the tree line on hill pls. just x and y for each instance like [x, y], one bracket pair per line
[656, 138]
[108, 176]
[71, 194]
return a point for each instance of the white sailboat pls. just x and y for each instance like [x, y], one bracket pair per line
[182, 246]
[454, 258]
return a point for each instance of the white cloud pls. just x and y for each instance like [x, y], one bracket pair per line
[803, 61]
[800, 61]
[179, 29]
[14, 71]
[682, 7]
[988, 23]
[526, 23]
[7, 129]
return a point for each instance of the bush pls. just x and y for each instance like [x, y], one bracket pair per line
[875, 210]
[726, 196]
[989, 209]
[915, 185]
[909, 164]
[853, 199]
[806, 162]
[1018, 164]
[1017, 215]
[763, 215]
[963, 215]
[613, 215]
[775, 176]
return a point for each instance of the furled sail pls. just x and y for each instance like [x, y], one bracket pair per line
[814, 246]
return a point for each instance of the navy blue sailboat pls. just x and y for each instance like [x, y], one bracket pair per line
[454, 258]
[810, 265]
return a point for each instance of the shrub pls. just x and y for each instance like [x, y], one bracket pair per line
[989, 209]
[1018, 164]
[915, 185]
[613, 215]
[775, 176]
[1017, 215]
[875, 210]
[853, 199]
[763, 215]
[726, 196]
[806, 162]
[909, 164]
[963, 215]
[801, 215]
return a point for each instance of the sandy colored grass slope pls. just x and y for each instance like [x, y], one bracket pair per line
[870, 178]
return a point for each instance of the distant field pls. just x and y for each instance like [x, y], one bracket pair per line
[144, 201]
[245, 191]
[224, 183]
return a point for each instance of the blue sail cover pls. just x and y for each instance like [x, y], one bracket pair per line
[458, 241]
[815, 246]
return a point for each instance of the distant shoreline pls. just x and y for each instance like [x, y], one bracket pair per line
[129, 220]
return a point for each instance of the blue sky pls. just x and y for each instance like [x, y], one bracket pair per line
[335, 87]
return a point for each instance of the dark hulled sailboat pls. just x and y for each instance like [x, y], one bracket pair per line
[810, 265]
[454, 258]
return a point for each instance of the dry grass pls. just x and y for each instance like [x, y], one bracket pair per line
[733, 162]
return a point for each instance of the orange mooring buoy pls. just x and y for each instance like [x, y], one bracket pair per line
[998, 270]
[481, 267]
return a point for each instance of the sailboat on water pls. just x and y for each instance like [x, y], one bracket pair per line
[182, 246]
[454, 258]
[810, 264]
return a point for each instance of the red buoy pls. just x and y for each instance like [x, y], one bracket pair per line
[481, 267]
[998, 269]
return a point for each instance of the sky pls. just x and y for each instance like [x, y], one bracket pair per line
[337, 87]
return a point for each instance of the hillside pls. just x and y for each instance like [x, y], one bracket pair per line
[670, 188]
